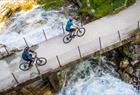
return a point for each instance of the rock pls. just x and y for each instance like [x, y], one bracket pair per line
[130, 81]
[137, 49]
[129, 70]
[126, 77]
[137, 41]
[124, 64]
[137, 74]
[26, 92]
[48, 93]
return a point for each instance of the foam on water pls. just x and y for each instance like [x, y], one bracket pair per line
[98, 82]
[30, 24]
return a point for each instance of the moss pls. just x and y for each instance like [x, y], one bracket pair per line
[130, 2]
[103, 10]
[85, 10]
[50, 4]
[117, 3]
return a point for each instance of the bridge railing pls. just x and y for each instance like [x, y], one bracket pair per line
[16, 76]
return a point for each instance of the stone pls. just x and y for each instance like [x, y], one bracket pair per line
[124, 64]
[48, 93]
[126, 77]
[137, 41]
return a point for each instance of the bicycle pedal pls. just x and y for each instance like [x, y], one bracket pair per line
[73, 36]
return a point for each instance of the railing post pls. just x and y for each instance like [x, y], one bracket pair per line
[6, 49]
[138, 25]
[45, 35]
[63, 28]
[119, 36]
[58, 61]
[100, 42]
[15, 78]
[25, 42]
[37, 69]
[79, 52]
[81, 21]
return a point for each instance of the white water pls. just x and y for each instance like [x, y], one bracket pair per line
[99, 81]
[30, 24]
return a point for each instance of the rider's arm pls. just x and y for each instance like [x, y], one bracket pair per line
[75, 26]
[32, 51]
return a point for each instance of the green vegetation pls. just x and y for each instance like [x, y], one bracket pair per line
[94, 8]
[48, 4]
[103, 7]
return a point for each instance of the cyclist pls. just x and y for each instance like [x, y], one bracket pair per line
[27, 56]
[69, 26]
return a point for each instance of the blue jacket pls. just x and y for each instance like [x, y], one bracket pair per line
[68, 25]
[26, 55]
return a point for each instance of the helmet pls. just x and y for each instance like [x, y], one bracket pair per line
[27, 48]
[70, 18]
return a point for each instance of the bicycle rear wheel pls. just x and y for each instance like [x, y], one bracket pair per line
[41, 61]
[24, 66]
[80, 32]
[67, 39]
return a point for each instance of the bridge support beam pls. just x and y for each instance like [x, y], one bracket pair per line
[58, 61]
[6, 49]
[100, 43]
[138, 25]
[79, 52]
[54, 81]
[63, 28]
[25, 42]
[45, 35]
[119, 36]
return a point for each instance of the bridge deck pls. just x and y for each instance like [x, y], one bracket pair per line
[106, 28]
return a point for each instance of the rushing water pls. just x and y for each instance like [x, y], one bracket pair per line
[94, 79]
[30, 24]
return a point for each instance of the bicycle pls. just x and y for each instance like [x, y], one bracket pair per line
[79, 32]
[24, 66]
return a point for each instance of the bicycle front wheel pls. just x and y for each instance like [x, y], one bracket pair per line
[24, 66]
[41, 61]
[81, 32]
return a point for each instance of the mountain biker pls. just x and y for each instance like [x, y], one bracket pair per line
[69, 26]
[27, 56]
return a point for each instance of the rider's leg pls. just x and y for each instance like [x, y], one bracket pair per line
[73, 31]
[30, 62]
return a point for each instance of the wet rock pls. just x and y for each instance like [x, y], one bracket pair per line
[126, 77]
[137, 73]
[137, 41]
[124, 64]
[129, 70]
[48, 93]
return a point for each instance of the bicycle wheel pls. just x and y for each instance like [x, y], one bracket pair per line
[67, 39]
[24, 66]
[41, 61]
[80, 32]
